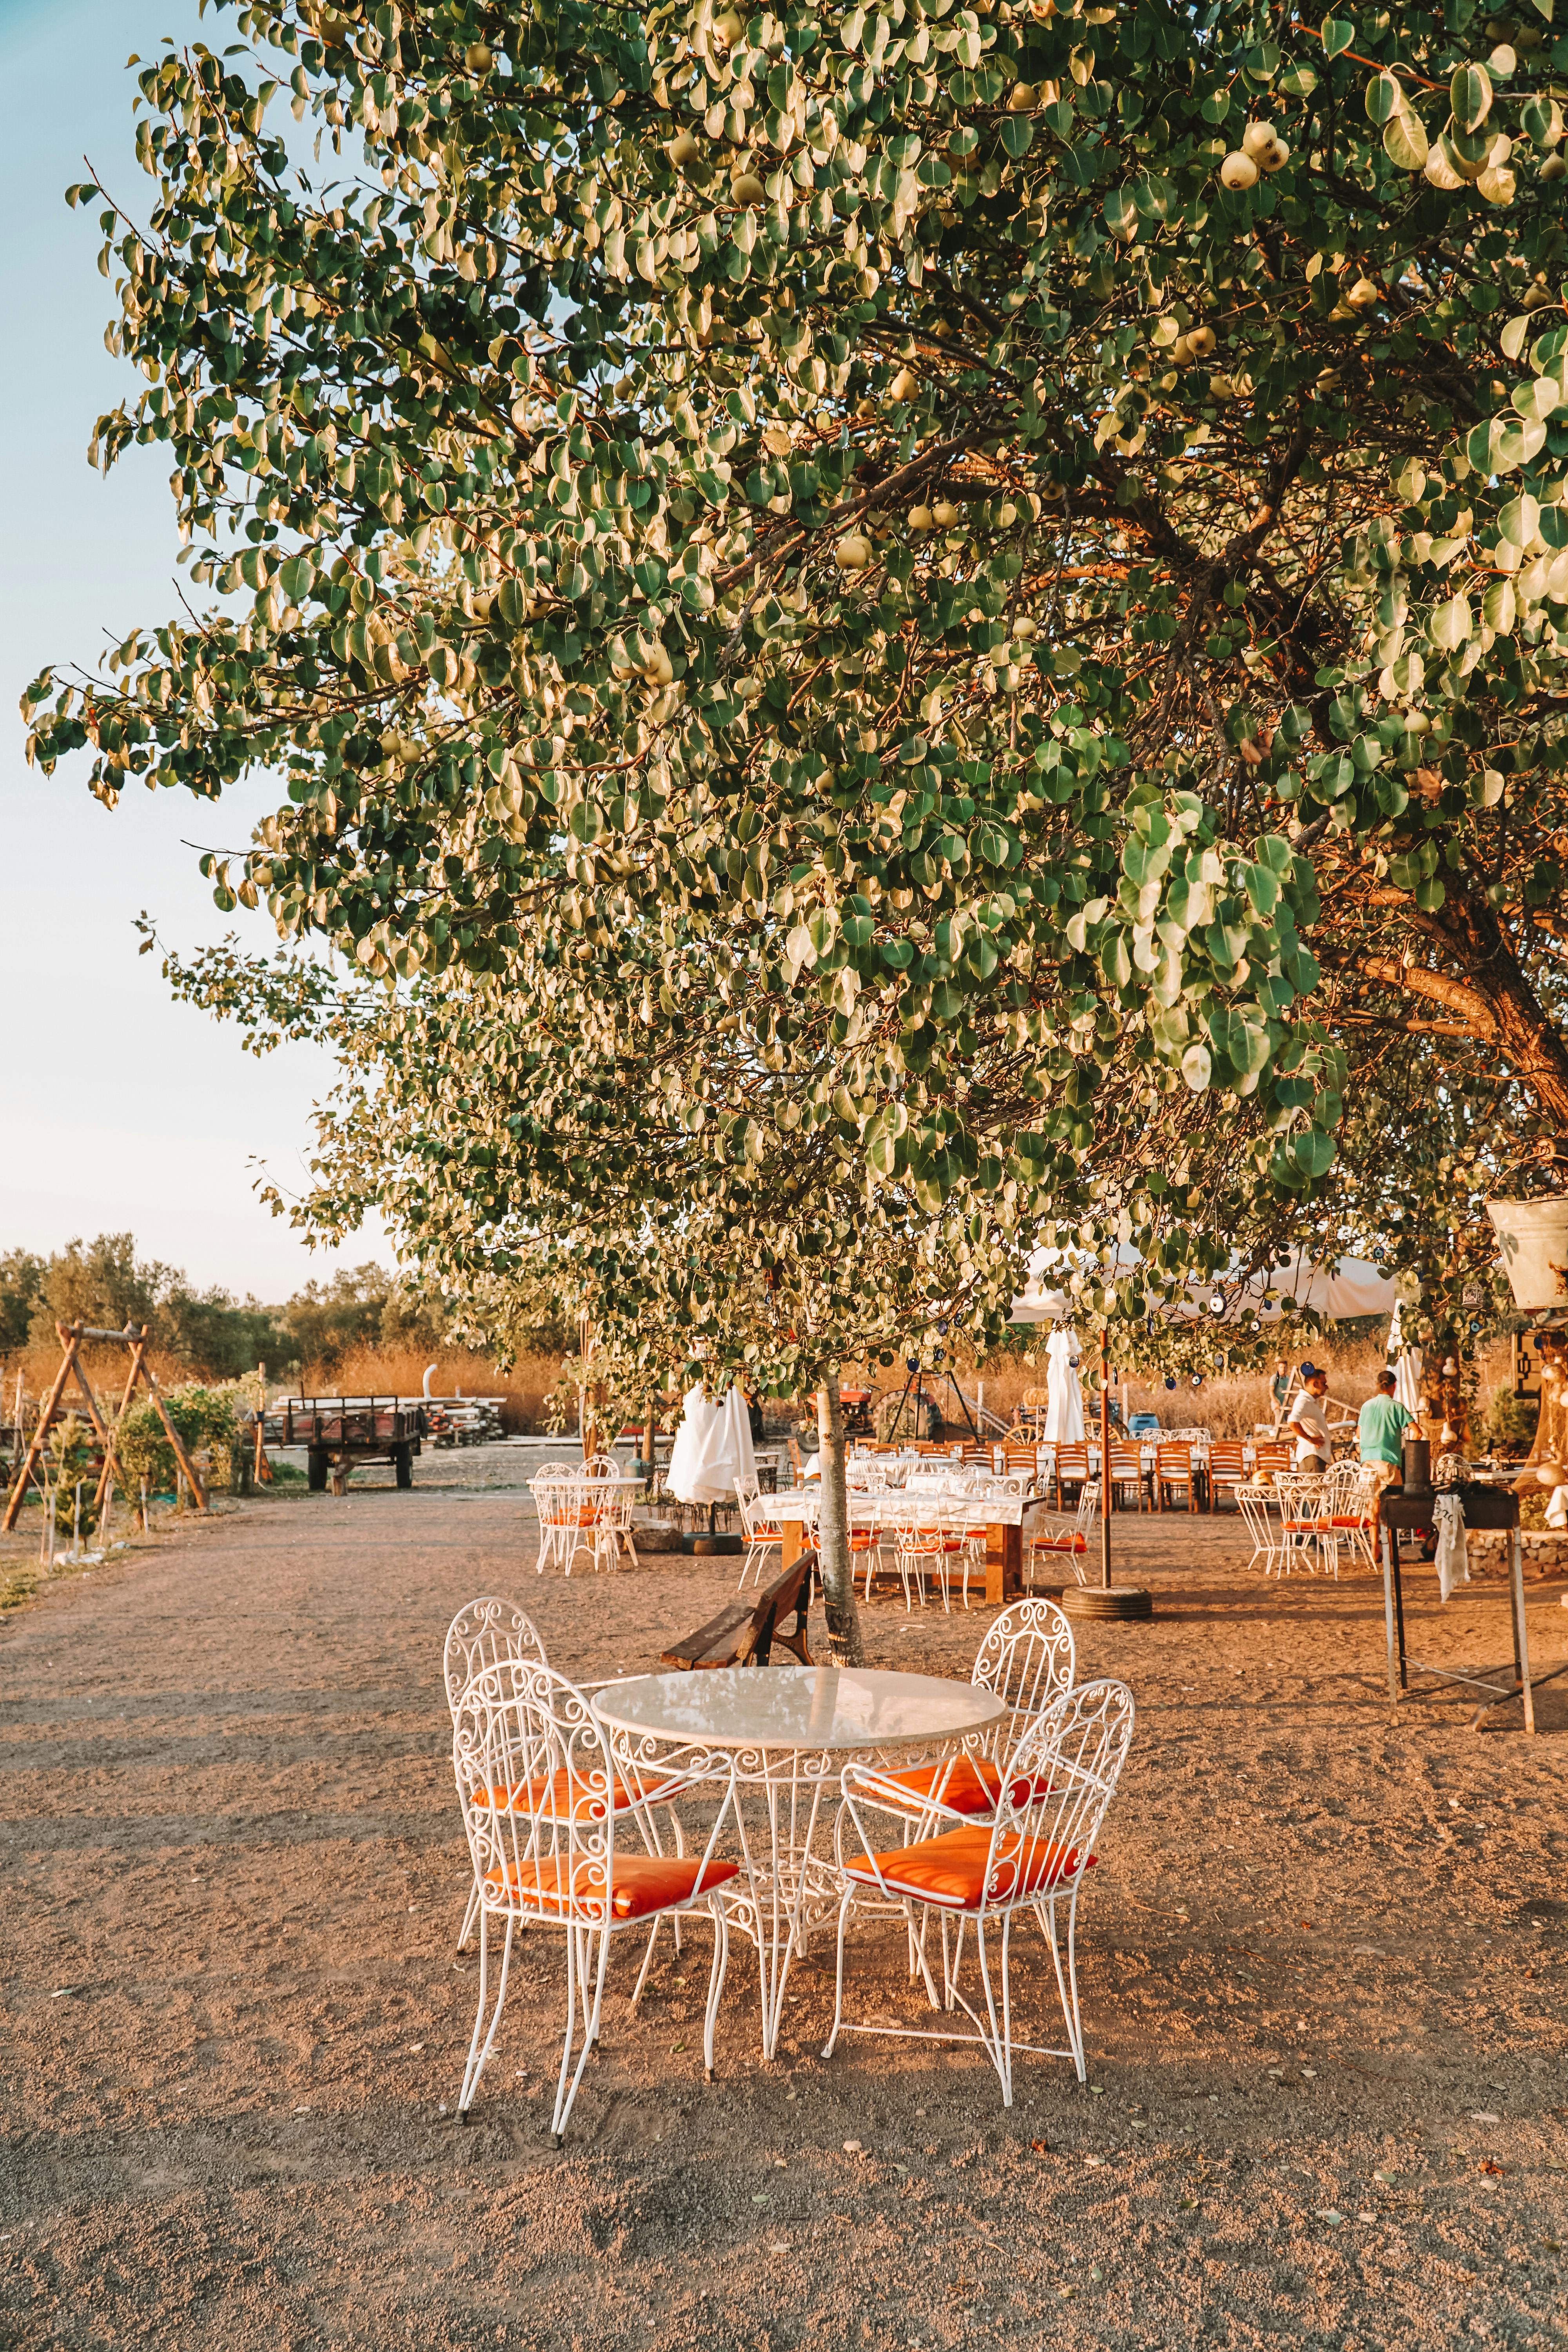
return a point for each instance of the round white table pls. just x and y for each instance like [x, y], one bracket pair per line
[790, 1729]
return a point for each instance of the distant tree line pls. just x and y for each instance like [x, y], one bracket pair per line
[104, 1282]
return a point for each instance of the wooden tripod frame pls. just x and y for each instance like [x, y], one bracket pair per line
[133, 1337]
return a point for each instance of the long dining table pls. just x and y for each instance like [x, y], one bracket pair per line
[1003, 1516]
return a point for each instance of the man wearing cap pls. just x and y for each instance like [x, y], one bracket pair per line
[1309, 1423]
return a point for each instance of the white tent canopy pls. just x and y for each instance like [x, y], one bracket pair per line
[1336, 1288]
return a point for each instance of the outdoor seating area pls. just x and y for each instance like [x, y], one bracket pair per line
[758, 1799]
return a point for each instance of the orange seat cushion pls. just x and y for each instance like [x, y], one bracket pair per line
[586, 1518]
[974, 1784]
[1302, 1526]
[952, 1870]
[1073, 1542]
[568, 1796]
[639, 1882]
[1356, 1521]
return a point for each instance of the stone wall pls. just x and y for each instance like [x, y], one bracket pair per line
[1545, 1555]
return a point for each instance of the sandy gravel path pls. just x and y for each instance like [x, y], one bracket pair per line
[1323, 1966]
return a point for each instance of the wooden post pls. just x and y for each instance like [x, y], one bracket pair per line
[71, 1337]
[36, 1444]
[1004, 1563]
[1105, 1486]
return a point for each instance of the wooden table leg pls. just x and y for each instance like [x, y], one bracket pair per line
[793, 1532]
[1004, 1564]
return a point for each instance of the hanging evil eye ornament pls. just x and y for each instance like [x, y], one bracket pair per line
[1197, 1380]
[912, 1363]
[1169, 1379]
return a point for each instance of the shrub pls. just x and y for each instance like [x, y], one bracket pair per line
[204, 1418]
[1510, 1424]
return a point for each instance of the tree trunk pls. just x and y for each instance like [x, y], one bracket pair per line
[833, 1532]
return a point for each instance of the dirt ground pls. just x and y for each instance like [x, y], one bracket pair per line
[1322, 1959]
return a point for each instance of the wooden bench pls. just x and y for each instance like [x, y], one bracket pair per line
[743, 1633]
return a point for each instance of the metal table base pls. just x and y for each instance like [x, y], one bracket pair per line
[1401, 1664]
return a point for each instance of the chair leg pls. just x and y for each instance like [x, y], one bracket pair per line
[844, 1910]
[647, 1964]
[566, 2093]
[716, 1979]
[1066, 1982]
[470, 1916]
[478, 2055]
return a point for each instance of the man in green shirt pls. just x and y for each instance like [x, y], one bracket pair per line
[1380, 1432]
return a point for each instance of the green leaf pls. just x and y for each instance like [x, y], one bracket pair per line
[1338, 34]
[1385, 97]
[1470, 95]
[1312, 1152]
[1404, 143]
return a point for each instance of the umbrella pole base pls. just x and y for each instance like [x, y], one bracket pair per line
[1126, 1603]
[706, 1547]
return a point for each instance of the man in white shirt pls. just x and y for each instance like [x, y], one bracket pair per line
[1309, 1423]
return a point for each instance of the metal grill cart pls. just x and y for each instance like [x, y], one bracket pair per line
[1484, 1507]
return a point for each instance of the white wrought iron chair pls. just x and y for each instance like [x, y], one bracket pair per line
[765, 1536]
[1350, 1505]
[1035, 1853]
[1257, 1504]
[1306, 1539]
[489, 1631]
[542, 1794]
[1058, 1535]
[575, 1514]
[929, 1541]
[1027, 1659]
[542, 1486]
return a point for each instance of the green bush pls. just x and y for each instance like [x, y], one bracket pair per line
[204, 1417]
[1510, 1424]
[71, 1459]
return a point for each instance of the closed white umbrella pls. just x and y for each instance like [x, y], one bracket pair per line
[1406, 1366]
[1064, 1398]
[712, 1450]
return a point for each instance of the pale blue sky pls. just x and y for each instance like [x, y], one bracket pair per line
[118, 1109]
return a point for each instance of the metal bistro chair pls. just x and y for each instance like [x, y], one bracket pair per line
[1348, 1493]
[925, 1545]
[1306, 1537]
[1257, 1504]
[1027, 1659]
[574, 1517]
[765, 1536]
[543, 1793]
[543, 1485]
[1058, 1537]
[489, 1631]
[1035, 1853]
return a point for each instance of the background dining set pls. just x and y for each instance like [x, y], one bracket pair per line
[786, 1804]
